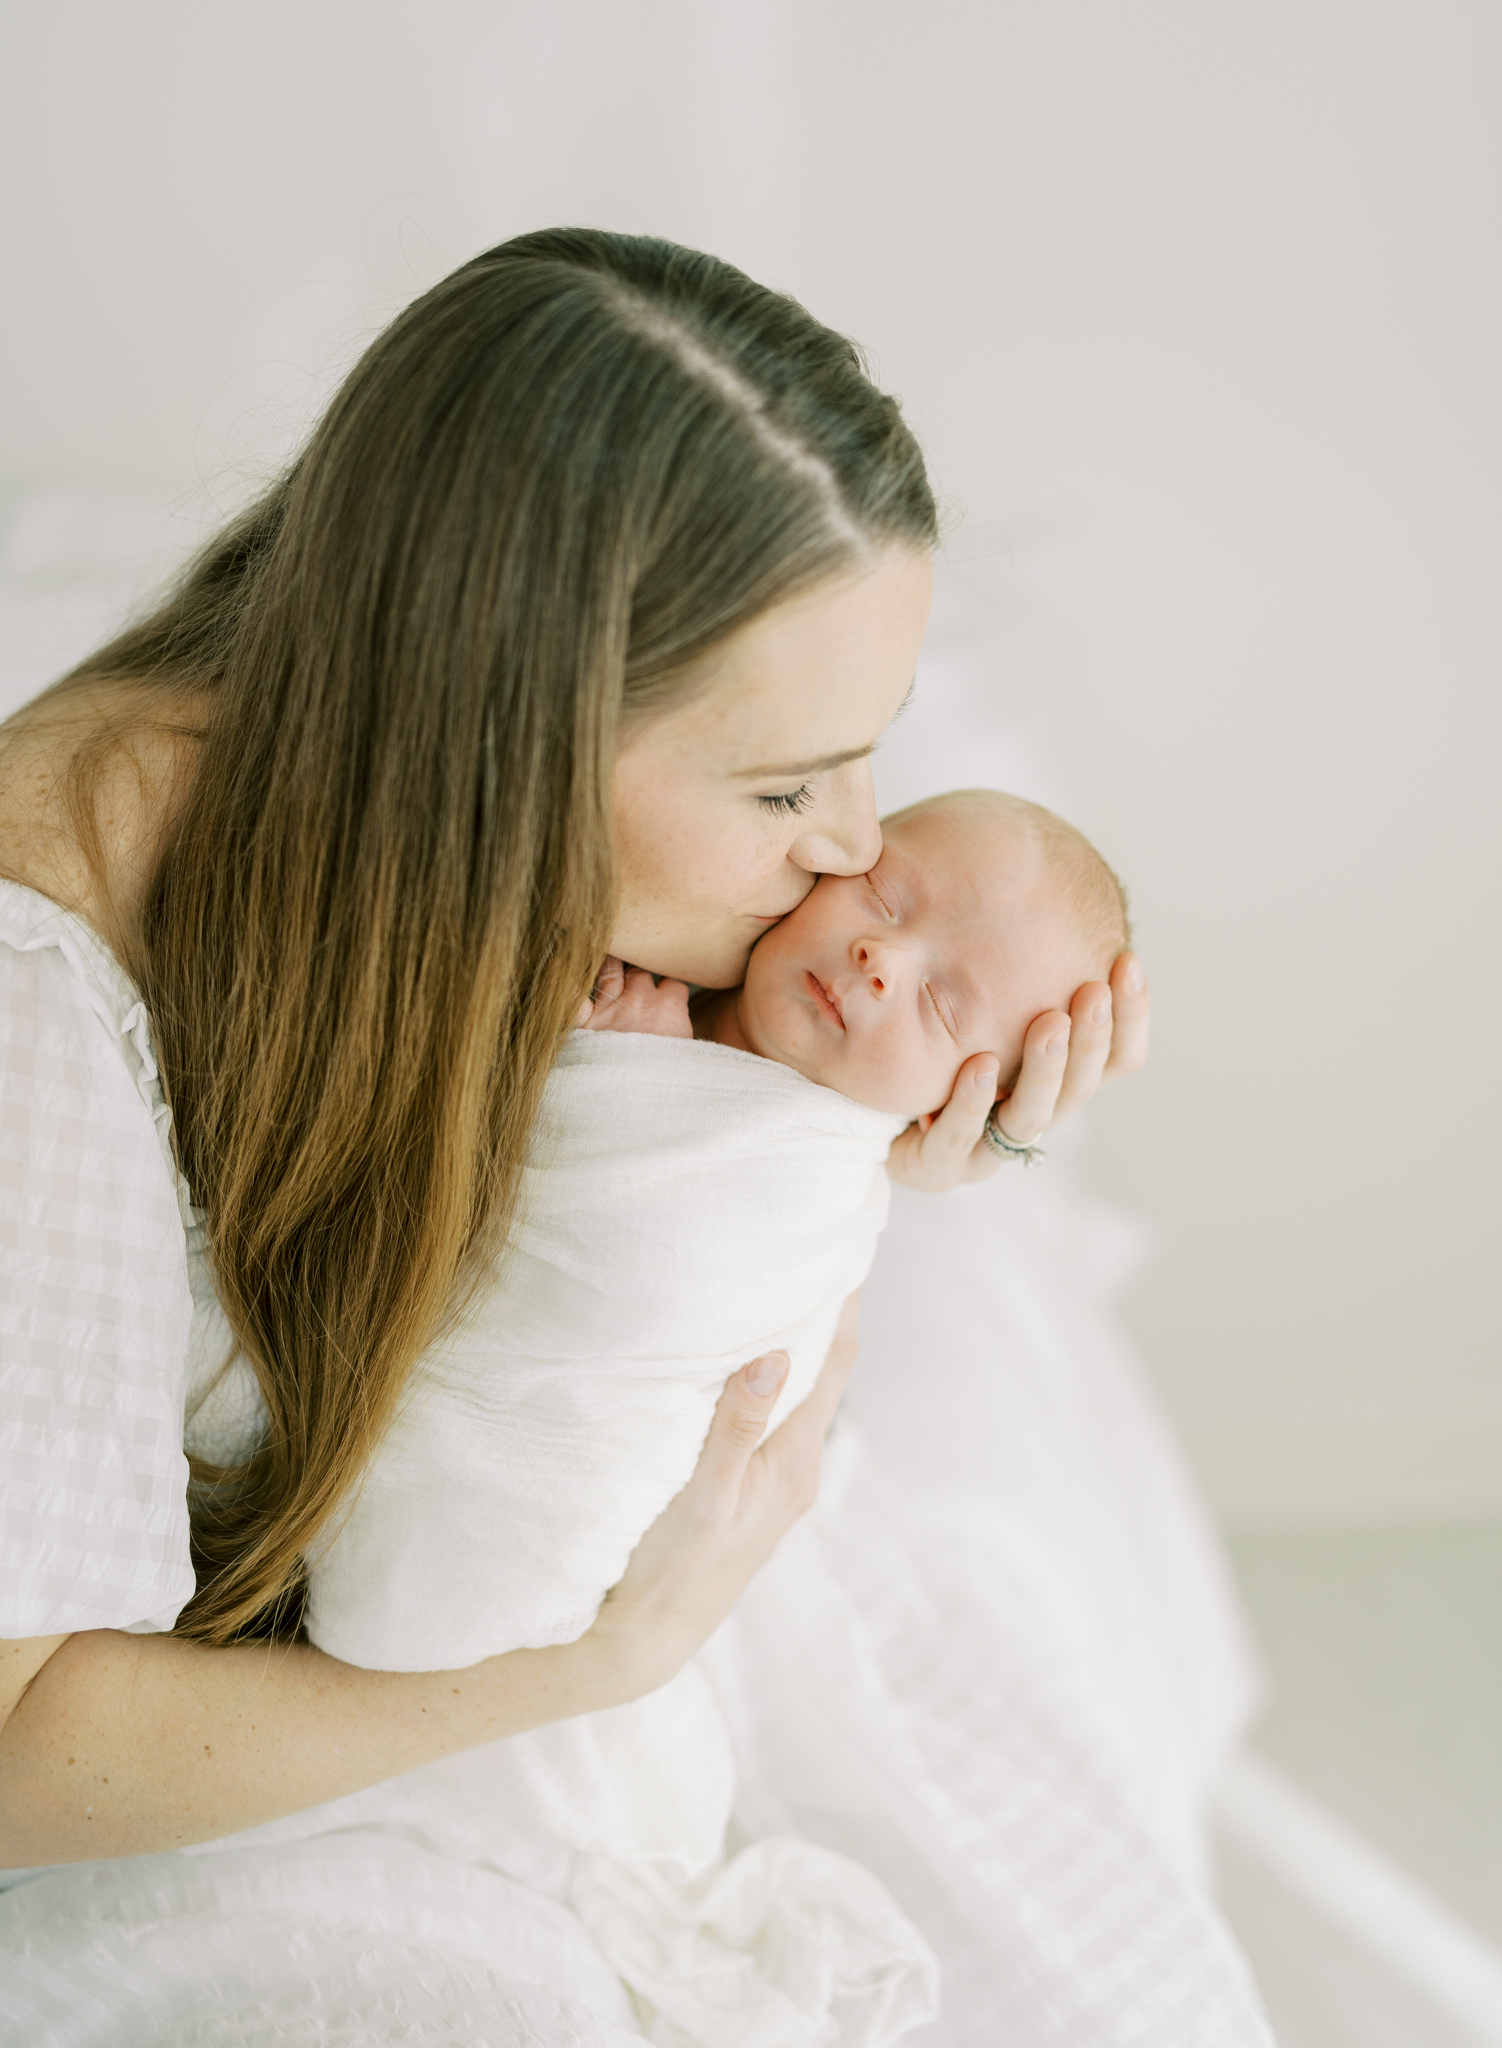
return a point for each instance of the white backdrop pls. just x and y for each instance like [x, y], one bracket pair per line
[1197, 311]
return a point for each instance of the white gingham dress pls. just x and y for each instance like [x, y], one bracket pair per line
[109, 1330]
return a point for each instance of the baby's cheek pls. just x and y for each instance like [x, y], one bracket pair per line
[894, 1073]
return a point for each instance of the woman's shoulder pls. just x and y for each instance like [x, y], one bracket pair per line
[71, 1018]
[129, 781]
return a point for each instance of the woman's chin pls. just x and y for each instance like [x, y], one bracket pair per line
[716, 974]
[719, 967]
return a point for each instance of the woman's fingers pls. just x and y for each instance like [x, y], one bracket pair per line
[691, 1566]
[1029, 1109]
[948, 1145]
[1089, 1047]
[1108, 1036]
[938, 1152]
[1132, 1002]
[1065, 1056]
[955, 1131]
[739, 1424]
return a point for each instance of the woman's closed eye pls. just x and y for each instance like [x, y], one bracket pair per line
[787, 802]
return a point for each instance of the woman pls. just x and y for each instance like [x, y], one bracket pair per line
[570, 633]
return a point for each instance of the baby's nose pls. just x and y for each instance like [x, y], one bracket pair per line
[875, 963]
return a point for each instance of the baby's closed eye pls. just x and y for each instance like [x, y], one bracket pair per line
[940, 1007]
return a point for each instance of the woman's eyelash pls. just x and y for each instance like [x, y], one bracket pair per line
[787, 802]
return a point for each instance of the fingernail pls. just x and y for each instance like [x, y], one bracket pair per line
[765, 1375]
[1101, 1011]
[985, 1078]
[1057, 1045]
[1133, 979]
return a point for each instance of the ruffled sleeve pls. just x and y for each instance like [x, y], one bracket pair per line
[95, 1302]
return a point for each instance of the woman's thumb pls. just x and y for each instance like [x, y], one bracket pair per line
[764, 1376]
[740, 1418]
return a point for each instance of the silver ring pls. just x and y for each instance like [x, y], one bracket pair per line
[1008, 1148]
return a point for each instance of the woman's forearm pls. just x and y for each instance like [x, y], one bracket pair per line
[125, 1744]
[120, 1744]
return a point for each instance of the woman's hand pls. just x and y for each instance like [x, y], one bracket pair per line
[692, 1565]
[1065, 1057]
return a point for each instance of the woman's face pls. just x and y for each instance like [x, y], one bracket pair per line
[729, 804]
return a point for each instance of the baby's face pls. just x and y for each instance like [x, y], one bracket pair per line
[882, 985]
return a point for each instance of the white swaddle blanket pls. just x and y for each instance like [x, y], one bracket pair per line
[686, 1208]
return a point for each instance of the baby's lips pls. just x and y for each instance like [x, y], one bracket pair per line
[827, 997]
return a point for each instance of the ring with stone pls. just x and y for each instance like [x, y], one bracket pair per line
[1008, 1148]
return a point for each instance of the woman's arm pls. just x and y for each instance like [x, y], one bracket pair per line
[1065, 1057]
[116, 1745]
[124, 1744]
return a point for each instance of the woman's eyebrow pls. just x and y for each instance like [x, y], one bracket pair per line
[825, 761]
[787, 770]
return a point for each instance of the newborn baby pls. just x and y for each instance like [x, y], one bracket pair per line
[702, 1190]
[982, 912]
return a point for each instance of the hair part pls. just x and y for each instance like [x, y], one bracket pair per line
[548, 489]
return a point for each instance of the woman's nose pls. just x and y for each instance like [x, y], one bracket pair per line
[841, 834]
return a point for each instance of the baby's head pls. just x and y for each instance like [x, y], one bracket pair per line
[982, 912]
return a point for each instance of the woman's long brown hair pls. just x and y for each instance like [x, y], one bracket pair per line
[550, 486]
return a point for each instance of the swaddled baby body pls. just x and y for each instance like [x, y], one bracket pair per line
[702, 1189]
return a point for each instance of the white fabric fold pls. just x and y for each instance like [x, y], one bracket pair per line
[786, 1944]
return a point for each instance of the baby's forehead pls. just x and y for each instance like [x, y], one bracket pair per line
[993, 851]
[1000, 913]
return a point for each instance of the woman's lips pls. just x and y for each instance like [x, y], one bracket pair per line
[825, 1000]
